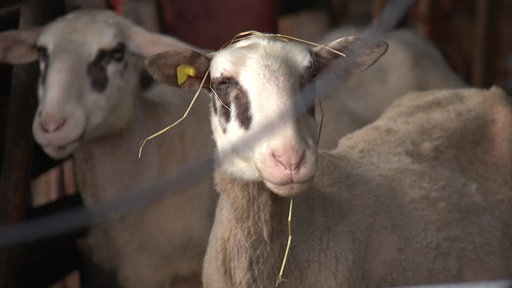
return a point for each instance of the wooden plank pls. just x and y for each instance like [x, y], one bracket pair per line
[7, 10]
[18, 150]
[86, 4]
[207, 24]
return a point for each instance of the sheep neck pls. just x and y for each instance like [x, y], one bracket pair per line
[257, 219]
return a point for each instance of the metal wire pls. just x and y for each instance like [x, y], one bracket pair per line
[484, 284]
[78, 218]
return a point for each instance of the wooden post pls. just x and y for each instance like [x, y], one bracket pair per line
[424, 11]
[19, 144]
[377, 7]
[490, 42]
[479, 69]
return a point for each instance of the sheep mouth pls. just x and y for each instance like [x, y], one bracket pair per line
[289, 189]
[63, 150]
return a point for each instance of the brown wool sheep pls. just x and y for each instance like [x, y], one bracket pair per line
[92, 105]
[410, 64]
[422, 195]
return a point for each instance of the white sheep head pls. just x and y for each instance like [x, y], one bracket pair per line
[259, 80]
[89, 74]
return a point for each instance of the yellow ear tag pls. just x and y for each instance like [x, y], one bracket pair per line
[183, 71]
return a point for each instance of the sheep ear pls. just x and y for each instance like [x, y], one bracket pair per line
[359, 54]
[145, 43]
[18, 46]
[179, 68]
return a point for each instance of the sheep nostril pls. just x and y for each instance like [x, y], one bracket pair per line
[291, 163]
[52, 125]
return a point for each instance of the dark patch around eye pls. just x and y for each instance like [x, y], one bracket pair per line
[222, 88]
[97, 69]
[118, 52]
[97, 72]
[243, 109]
[224, 111]
[227, 89]
[307, 84]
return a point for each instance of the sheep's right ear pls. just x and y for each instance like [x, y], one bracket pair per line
[18, 46]
[359, 53]
[179, 68]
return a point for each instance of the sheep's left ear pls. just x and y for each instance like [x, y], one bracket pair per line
[359, 54]
[179, 68]
[19, 46]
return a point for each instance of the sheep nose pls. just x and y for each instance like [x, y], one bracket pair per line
[51, 124]
[290, 162]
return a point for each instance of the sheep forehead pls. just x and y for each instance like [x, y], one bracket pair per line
[82, 32]
[268, 70]
[262, 57]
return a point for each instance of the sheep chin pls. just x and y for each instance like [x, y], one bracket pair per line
[60, 152]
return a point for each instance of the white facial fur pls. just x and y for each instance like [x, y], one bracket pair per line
[261, 125]
[270, 72]
[71, 104]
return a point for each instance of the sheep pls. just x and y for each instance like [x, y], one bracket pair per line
[410, 64]
[92, 106]
[422, 195]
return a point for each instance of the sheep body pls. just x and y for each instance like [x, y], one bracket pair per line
[410, 64]
[406, 200]
[409, 199]
[92, 105]
[164, 242]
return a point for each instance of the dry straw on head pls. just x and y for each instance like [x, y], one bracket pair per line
[186, 70]
[178, 121]
[189, 71]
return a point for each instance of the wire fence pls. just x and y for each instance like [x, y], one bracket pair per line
[78, 218]
[484, 284]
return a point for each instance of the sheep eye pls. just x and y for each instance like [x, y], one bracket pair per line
[118, 52]
[223, 83]
[104, 57]
[97, 69]
[223, 87]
